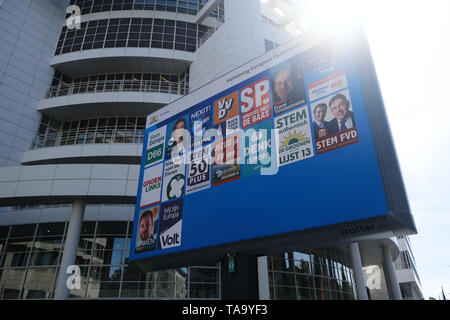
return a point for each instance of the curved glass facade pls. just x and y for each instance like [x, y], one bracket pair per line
[88, 131]
[30, 255]
[191, 7]
[322, 274]
[131, 32]
[63, 85]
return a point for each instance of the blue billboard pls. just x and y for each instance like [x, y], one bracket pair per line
[286, 151]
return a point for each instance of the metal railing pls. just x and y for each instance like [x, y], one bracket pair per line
[209, 33]
[157, 86]
[88, 136]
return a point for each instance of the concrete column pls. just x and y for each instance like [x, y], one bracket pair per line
[70, 249]
[263, 278]
[243, 283]
[389, 272]
[358, 273]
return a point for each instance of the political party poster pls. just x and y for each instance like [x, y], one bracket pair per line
[226, 160]
[155, 146]
[334, 122]
[327, 85]
[201, 122]
[294, 136]
[178, 137]
[151, 185]
[226, 114]
[326, 62]
[147, 229]
[257, 148]
[288, 87]
[255, 102]
[199, 170]
[174, 178]
[170, 225]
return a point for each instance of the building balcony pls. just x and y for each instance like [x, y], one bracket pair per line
[105, 98]
[101, 145]
[150, 86]
[107, 60]
[64, 183]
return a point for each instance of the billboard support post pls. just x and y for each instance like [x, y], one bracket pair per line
[243, 283]
[263, 278]
[390, 273]
[360, 283]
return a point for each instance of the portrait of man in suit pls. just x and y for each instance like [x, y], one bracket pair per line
[343, 117]
[288, 88]
[147, 230]
[319, 122]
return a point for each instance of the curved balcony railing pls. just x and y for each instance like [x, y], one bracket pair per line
[155, 86]
[77, 137]
[209, 33]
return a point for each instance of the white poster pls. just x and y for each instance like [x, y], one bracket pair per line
[199, 170]
[151, 186]
[294, 136]
[174, 178]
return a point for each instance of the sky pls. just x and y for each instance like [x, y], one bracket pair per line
[410, 45]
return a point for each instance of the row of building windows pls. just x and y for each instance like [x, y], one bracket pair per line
[311, 275]
[30, 256]
[404, 261]
[88, 131]
[120, 82]
[102, 257]
[131, 32]
[191, 7]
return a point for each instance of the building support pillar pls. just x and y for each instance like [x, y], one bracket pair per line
[263, 278]
[70, 249]
[242, 282]
[358, 273]
[389, 272]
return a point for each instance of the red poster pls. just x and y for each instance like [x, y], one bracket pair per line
[255, 102]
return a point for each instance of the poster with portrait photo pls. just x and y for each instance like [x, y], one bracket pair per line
[147, 229]
[201, 122]
[178, 137]
[288, 86]
[334, 122]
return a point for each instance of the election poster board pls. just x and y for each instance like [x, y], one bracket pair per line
[290, 150]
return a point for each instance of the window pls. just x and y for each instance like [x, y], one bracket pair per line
[132, 32]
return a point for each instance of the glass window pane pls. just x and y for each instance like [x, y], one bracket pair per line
[88, 227]
[50, 229]
[11, 281]
[285, 293]
[3, 232]
[204, 275]
[105, 274]
[39, 283]
[112, 227]
[103, 290]
[24, 230]
[201, 290]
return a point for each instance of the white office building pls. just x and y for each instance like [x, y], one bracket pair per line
[74, 95]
